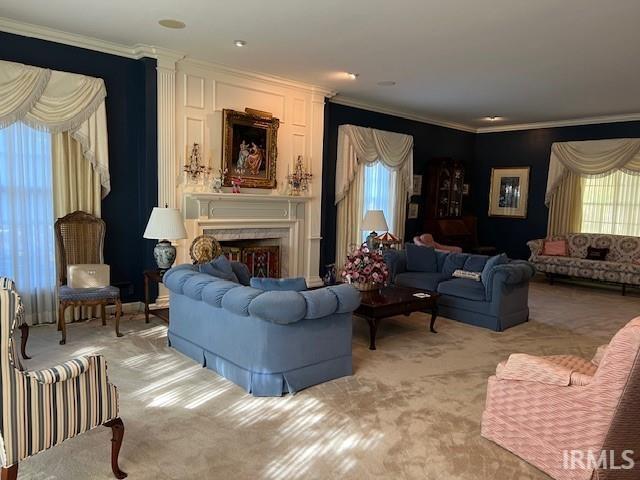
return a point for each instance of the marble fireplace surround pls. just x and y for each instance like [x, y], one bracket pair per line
[248, 216]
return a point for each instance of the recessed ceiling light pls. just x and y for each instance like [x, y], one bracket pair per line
[386, 83]
[239, 43]
[493, 118]
[352, 76]
[171, 23]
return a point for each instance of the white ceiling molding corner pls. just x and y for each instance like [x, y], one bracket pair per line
[45, 33]
[373, 107]
[629, 117]
[264, 77]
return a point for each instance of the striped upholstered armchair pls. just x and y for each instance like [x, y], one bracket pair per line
[41, 409]
[572, 418]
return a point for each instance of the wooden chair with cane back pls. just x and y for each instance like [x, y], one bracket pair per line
[80, 240]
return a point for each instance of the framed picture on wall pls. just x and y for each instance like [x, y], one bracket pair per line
[417, 185]
[412, 211]
[250, 148]
[509, 192]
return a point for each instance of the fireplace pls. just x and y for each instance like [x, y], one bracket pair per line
[262, 257]
[241, 222]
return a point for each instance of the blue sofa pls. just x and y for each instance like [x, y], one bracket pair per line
[498, 301]
[268, 342]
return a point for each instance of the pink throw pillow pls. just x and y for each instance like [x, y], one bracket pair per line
[555, 248]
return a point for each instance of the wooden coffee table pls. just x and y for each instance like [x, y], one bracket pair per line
[390, 301]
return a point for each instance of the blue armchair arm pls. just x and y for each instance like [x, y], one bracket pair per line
[396, 261]
[516, 272]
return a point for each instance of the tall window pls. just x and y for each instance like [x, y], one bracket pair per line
[27, 248]
[379, 192]
[611, 204]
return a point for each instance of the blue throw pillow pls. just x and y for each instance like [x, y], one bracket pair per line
[492, 262]
[242, 272]
[475, 263]
[421, 259]
[279, 284]
[454, 261]
[219, 267]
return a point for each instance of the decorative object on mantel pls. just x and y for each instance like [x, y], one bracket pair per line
[165, 224]
[218, 180]
[374, 220]
[235, 183]
[365, 269]
[299, 179]
[250, 147]
[204, 248]
[509, 190]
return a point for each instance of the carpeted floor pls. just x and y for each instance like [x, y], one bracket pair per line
[411, 410]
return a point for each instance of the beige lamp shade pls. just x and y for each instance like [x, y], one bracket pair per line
[374, 221]
[165, 224]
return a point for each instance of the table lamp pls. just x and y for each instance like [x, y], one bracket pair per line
[165, 224]
[374, 220]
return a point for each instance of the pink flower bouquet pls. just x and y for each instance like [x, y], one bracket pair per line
[365, 269]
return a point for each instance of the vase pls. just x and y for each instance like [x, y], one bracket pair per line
[366, 286]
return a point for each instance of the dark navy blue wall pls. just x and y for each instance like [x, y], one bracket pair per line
[132, 126]
[430, 141]
[526, 148]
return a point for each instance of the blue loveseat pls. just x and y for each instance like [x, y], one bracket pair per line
[268, 342]
[498, 301]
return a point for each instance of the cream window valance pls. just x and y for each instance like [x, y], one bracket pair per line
[58, 102]
[592, 157]
[359, 145]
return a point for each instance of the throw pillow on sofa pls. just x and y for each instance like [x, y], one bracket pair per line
[594, 253]
[219, 267]
[297, 284]
[556, 248]
[475, 276]
[492, 262]
[421, 259]
[454, 261]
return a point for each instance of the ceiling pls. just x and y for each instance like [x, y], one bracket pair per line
[455, 61]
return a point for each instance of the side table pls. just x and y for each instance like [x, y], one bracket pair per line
[154, 275]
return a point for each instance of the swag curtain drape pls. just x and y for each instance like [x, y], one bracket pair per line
[357, 147]
[58, 102]
[571, 163]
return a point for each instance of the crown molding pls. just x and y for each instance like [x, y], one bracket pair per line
[628, 117]
[264, 77]
[50, 34]
[374, 107]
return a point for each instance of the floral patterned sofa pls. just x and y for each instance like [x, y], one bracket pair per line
[621, 265]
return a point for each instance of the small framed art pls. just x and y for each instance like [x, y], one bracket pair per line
[509, 192]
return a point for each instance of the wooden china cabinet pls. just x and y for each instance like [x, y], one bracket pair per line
[445, 180]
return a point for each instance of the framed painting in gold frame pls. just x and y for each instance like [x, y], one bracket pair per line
[509, 192]
[249, 148]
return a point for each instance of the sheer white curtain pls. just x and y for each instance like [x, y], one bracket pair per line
[611, 204]
[27, 245]
[380, 193]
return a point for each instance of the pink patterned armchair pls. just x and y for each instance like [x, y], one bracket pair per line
[426, 240]
[564, 414]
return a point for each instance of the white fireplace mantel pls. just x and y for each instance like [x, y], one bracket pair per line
[252, 215]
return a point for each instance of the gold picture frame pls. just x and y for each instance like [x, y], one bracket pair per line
[509, 192]
[249, 148]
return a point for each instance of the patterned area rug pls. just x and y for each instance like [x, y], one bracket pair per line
[411, 410]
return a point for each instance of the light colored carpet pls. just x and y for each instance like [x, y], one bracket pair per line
[411, 410]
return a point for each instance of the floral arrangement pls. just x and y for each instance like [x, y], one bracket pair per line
[365, 269]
